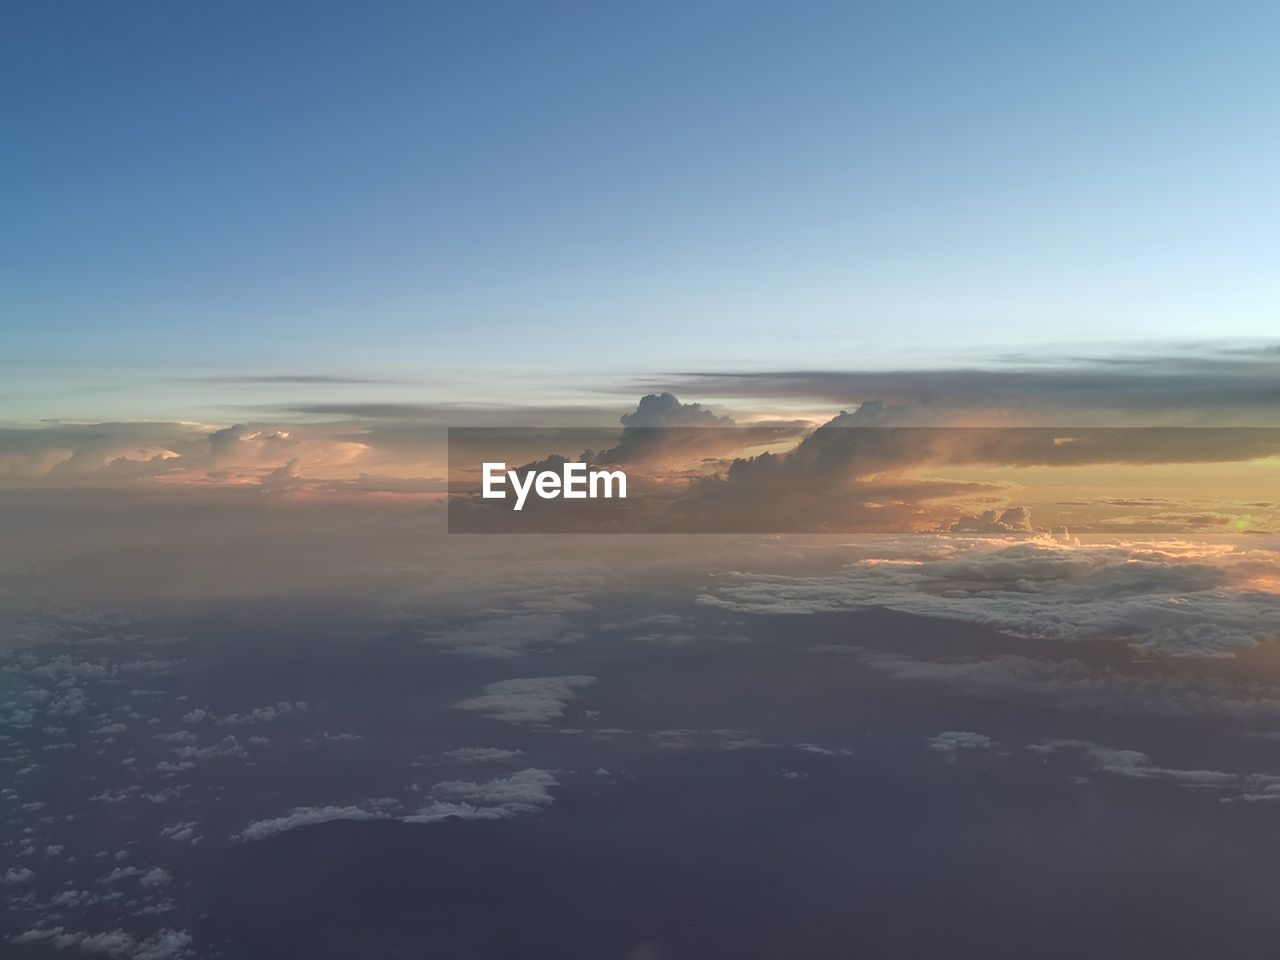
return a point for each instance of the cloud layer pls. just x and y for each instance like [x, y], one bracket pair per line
[1173, 598]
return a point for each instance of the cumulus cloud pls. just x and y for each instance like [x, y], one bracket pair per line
[177, 736]
[950, 741]
[1009, 520]
[481, 754]
[119, 874]
[717, 739]
[124, 455]
[662, 429]
[521, 793]
[184, 831]
[305, 817]
[849, 477]
[524, 792]
[267, 714]
[1136, 765]
[527, 700]
[155, 878]
[824, 751]
[163, 945]
[228, 746]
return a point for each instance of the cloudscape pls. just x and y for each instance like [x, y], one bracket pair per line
[665, 481]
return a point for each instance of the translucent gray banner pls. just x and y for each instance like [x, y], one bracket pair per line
[788, 478]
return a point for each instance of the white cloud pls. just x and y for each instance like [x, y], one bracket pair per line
[178, 736]
[499, 798]
[481, 754]
[1136, 765]
[1009, 520]
[226, 747]
[184, 831]
[526, 700]
[505, 637]
[304, 817]
[525, 792]
[118, 874]
[155, 877]
[950, 741]
[266, 714]
[824, 751]
[718, 739]
[162, 945]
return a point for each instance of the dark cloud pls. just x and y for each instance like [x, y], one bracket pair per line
[1209, 384]
[828, 482]
[1009, 520]
[440, 415]
[662, 429]
[300, 378]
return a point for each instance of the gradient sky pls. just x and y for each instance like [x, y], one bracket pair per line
[570, 189]
[258, 696]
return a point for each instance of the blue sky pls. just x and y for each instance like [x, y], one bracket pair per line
[543, 191]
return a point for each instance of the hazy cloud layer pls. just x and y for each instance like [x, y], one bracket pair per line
[1171, 598]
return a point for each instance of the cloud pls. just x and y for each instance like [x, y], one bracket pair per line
[163, 945]
[849, 476]
[177, 736]
[824, 750]
[119, 874]
[504, 637]
[526, 700]
[1172, 598]
[1009, 520]
[1136, 765]
[299, 378]
[1072, 684]
[521, 793]
[267, 714]
[174, 454]
[228, 746]
[481, 754]
[305, 817]
[155, 878]
[718, 739]
[1202, 383]
[184, 832]
[663, 430]
[950, 741]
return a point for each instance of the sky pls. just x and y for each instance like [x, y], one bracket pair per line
[524, 200]
[939, 343]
